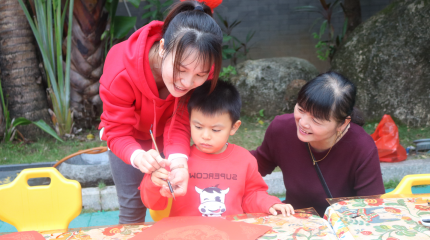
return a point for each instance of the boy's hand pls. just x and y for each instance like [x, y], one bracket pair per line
[149, 161]
[286, 209]
[178, 178]
[158, 177]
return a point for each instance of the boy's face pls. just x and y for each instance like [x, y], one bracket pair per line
[211, 133]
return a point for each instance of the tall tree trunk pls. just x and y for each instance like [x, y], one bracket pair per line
[352, 11]
[2, 120]
[20, 74]
[89, 23]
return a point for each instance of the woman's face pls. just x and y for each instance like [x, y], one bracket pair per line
[191, 73]
[311, 129]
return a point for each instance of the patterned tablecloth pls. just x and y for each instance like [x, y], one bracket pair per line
[305, 224]
[377, 218]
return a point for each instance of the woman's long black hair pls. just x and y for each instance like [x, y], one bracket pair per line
[330, 95]
[189, 27]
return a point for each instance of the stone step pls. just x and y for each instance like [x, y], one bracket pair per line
[106, 198]
[390, 171]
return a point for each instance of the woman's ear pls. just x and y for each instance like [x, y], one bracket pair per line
[345, 124]
[235, 127]
[161, 48]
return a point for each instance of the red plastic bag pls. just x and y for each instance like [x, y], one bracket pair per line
[386, 137]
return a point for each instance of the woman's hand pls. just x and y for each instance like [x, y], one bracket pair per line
[286, 209]
[159, 177]
[149, 161]
[178, 178]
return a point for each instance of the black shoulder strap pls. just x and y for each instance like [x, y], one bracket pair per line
[320, 176]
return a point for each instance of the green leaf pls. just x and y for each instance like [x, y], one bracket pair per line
[400, 227]
[226, 38]
[261, 112]
[315, 35]
[323, 27]
[154, 15]
[122, 25]
[45, 127]
[423, 213]
[167, 3]
[250, 35]
[104, 35]
[382, 228]
[420, 228]
[392, 204]
[345, 26]
[148, 14]
[147, 6]
[401, 202]
[406, 233]
[135, 3]
[229, 51]
[21, 121]
[112, 10]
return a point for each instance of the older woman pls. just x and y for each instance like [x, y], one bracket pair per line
[323, 137]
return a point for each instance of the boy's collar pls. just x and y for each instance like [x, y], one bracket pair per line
[208, 156]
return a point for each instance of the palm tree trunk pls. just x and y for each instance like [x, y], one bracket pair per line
[89, 23]
[20, 74]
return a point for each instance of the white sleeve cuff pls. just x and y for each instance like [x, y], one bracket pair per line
[133, 156]
[101, 134]
[177, 155]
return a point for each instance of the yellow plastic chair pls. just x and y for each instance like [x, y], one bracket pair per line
[40, 208]
[157, 215]
[404, 189]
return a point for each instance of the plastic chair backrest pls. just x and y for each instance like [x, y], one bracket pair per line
[40, 208]
[405, 186]
[157, 215]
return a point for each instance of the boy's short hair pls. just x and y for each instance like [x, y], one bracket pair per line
[224, 98]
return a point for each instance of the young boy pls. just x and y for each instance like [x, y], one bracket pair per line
[224, 178]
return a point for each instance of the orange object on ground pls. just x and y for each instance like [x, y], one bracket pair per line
[386, 137]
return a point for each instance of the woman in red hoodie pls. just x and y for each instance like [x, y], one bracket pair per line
[145, 83]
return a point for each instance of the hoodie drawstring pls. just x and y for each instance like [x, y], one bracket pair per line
[154, 130]
[175, 108]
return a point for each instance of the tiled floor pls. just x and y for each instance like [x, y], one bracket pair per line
[85, 220]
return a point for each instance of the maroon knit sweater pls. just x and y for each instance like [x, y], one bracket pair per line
[351, 168]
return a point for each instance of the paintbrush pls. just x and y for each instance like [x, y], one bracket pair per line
[156, 148]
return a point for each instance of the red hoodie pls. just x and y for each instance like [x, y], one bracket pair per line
[131, 102]
[220, 184]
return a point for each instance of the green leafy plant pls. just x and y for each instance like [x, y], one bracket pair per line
[119, 25]
[233, 48]
[227, 72]
[102, 184]
[11, 125]
[391, 183]
[156, 9]
[48, 29]
[326, 47]
[261, 112]
[260, 117]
